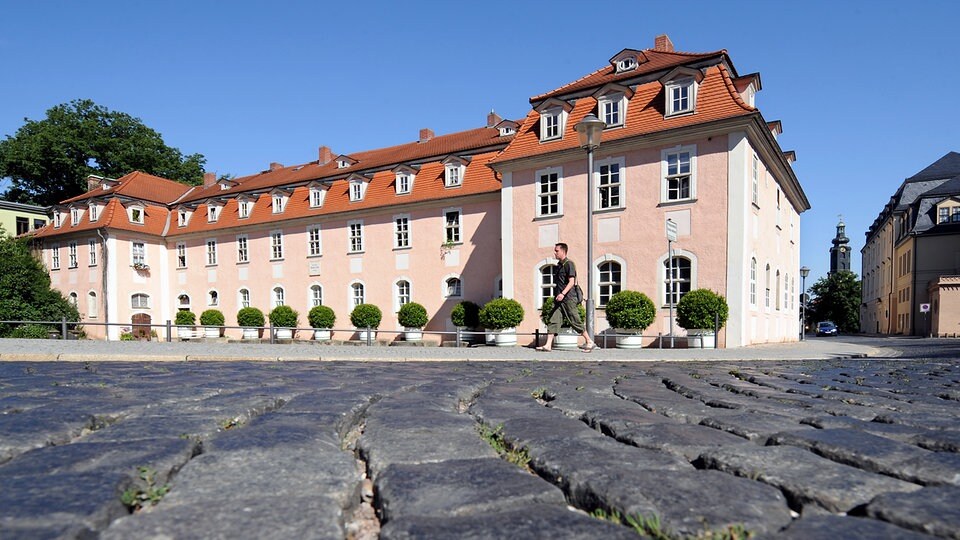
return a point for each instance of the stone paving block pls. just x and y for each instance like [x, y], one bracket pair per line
[932, 510]
[226, 518]
[683, 440]
[938, 441]
[832, 527]
[534, 521]
[276, 430]
[41, 426]
[803, 476]
[460, 487]
[90, 500]
[529, 431]
[157, 427]
[674, 406]
[933, 469]
[904, 434]
[754, 425]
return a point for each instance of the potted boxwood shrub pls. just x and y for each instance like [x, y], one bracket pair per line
[466, 316]
[696, 313]
[185, 320]
[251, 319]
[629, 313]
[412, 317]
[321, 319]
[284, 319]
[502, 315]
[567, 338]
[364, 317]
[212, 321]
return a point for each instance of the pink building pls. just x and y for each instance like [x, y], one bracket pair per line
[473, 215]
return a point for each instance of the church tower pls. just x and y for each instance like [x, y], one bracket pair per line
[840, 252]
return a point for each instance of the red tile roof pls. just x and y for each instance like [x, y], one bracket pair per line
[113, 216]
[139, 185]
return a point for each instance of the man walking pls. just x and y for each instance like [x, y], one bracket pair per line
[567, 296]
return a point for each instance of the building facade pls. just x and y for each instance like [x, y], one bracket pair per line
[911, 257]
[474, 215]
[17, 219]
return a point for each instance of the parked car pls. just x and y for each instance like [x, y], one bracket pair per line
[827, 328]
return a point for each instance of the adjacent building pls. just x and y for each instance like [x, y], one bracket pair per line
[17, 219]
[911, 258]
[473, 215]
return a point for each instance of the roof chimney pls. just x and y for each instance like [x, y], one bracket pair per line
[663, 43]
[426, 134]
[209, 179]
[93, 182]
[274, 165]
[493, 119]
[325, 155]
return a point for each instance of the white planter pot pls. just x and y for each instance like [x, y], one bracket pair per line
[566, 340]
[211, 331]
[490, 337]
[506, 337]
[284, 333]
[186, 332]
[629, 338]
[362, 335]
[412, 334]
[251, 333]
[698, 338]
[321, 334]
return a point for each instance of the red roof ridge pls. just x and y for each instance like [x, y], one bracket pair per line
[571, 83]
[728, 82]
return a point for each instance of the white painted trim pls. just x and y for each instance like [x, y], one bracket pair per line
[622, 183]
[536, 188]
[350, 285]
[739, 213]
[506, 235]
[692, 149]
[595, 268]
[538, 267]
[396, 291]
[662, 275]
[443, 286]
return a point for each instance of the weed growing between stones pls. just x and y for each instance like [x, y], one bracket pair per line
[494, 437]
[135, 498]
[650, 527]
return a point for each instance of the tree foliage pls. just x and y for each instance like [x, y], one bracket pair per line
[49, 160]
[25, 293]
[837, 298]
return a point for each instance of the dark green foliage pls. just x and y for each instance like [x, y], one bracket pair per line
[412, 315]
[25, 293]
[49, 160]
[837, 299]
[697, 308]
[501, 313]
[548, 307]
[31, 331]
[284, 317]
[212, 317]
[250, 316]
[321, 317]
[630, 310]
[185, 317]
[466, 314]
[366, 316]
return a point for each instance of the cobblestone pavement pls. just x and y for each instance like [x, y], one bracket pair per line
[837, 448]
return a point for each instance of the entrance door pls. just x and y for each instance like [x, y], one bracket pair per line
[141, 326]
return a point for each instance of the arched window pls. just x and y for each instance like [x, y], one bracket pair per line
[766, 297]
[183, 302]
[244, 297]
[140, 301]
[357, 293]
[213, 298]
[316, 295]
[454, 287]
[753, 281]
[546, 282]
[679, 285]
[93, 308]
[777, 291]
[609, 281]
[402, 289]
[74, 299]
[278, 296]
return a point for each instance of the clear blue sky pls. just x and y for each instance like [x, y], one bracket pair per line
[866, 91]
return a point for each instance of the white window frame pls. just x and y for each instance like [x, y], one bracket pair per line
[356, 294]
[92, 252]
[544, 280]
[401, 231]
[213, 298]
[355, 240]
[755, 187]
[276, 245]
[453, 174]
[766, 296]
[144, 300]
[136, 214]
[74, 299]
[404, 183]
[551, 123]
[753, 282]
[662, 273]
[279, 297]
[446, 284]
[55, 257]
[72, 255]
[181, 254]
[674, 89]
[452, 233]
[666, 176]
[544, 198]
[278, 202]
[57, 220]
[243, 297]
[138, 255]
[317, 196]
[610, 105]
[619, 185]
[315, 295]
[213, 213]
[243, 208]
[402, 293]
[183, 217]
[626, 64]
[93, 306]
[212, 257]
[610, 283]
[358, 188]
[94, 212]
[314, 241]
[180, 303]
[243, 248]
[74, 216]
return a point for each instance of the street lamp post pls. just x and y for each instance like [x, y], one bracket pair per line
[804, 272]
[589, 131]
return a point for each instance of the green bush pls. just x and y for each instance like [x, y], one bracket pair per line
[284, 317]
[412, 315]
[696, 309]
[366, 316]
[126, 336]
[501, 313]
[25, 293]
[548, 307]
[321, 317]
[466, 314]
[31, 331]
[212, 317]
[185, 317]
[250, 316]
[630, 310]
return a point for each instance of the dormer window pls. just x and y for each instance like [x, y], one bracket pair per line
[626, 64]
[57, 220]
[342, 164]
[213, 213]
[681, 90]
[224, 187]
[358, 187]
[507, 131]
[183, 217]
[506, 127]
[553, 117]
[454, 169]
[243, 208]
[612, 104]
[74, 216]
[279, 203]
[344, 161]
[318, 193]
[136, 214]
[405, 176]
[94, 212]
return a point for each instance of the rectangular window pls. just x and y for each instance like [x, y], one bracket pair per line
[181, 255]
[23, 225]
[550, 124]
[74, 216]
[244, 298]
[136, 215]
[139, 253]
[680, 96]
[955, 216]
[38, 223]
[755, 193]
[608, 187]
[401, 232]
[452, 226]
[944, 215]
[55, 257]
[211, 252]
[356, 191]
[403, 183]
[678, 183]
[454, 175]
[276, 245]
[610, 111]
[242, 253]
[548, 193]
[140, 301]
[243, 208]
[356, 236]
[213, 212]
[316, 197]
[57, 220]
[313, 241]
[72, 253]
[92, 252]
[94, 212]
[278, 203]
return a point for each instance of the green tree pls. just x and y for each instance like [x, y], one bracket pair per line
[49, 160]
[25, 293]
[836, 298]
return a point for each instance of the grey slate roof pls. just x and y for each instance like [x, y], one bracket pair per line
[946, 167]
